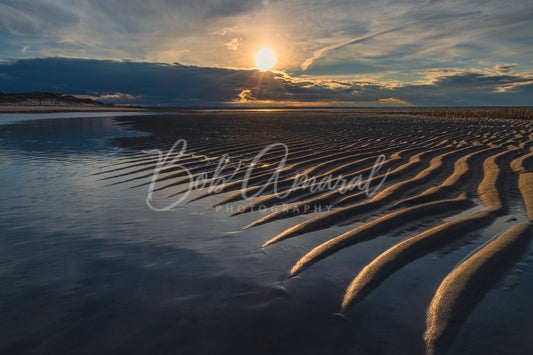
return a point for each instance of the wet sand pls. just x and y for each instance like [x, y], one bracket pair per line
[430, 162]
[436, 260]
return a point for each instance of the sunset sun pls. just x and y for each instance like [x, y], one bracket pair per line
[265, 59]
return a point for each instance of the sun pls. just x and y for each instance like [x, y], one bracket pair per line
[265, 59]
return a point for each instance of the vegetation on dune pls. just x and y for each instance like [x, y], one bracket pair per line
[45, 99]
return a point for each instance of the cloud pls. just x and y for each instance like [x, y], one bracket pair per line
[505, 68]
[393, 100]
[512, 86]
[318, 37]
[115, 98]
[244, 97]
[224, 31]
[148, 83]
[233, 45]
[323, 51]
[101, 29]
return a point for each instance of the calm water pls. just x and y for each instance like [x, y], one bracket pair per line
[87, 267]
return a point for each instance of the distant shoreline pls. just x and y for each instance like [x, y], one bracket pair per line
[441, 112]
[498, 112]
[51, 109]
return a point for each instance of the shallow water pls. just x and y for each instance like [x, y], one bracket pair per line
[87, 267]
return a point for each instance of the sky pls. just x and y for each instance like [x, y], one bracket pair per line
[329, 53]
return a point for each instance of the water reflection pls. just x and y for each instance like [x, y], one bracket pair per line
[59, 138]
[90, 269]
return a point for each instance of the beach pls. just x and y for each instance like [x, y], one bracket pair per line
[266, 232]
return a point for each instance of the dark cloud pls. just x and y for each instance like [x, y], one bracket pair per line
[155, 83]
[506, 68]
[181, 85]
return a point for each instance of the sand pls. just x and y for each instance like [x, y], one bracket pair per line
[433, 167]
[459, 289]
